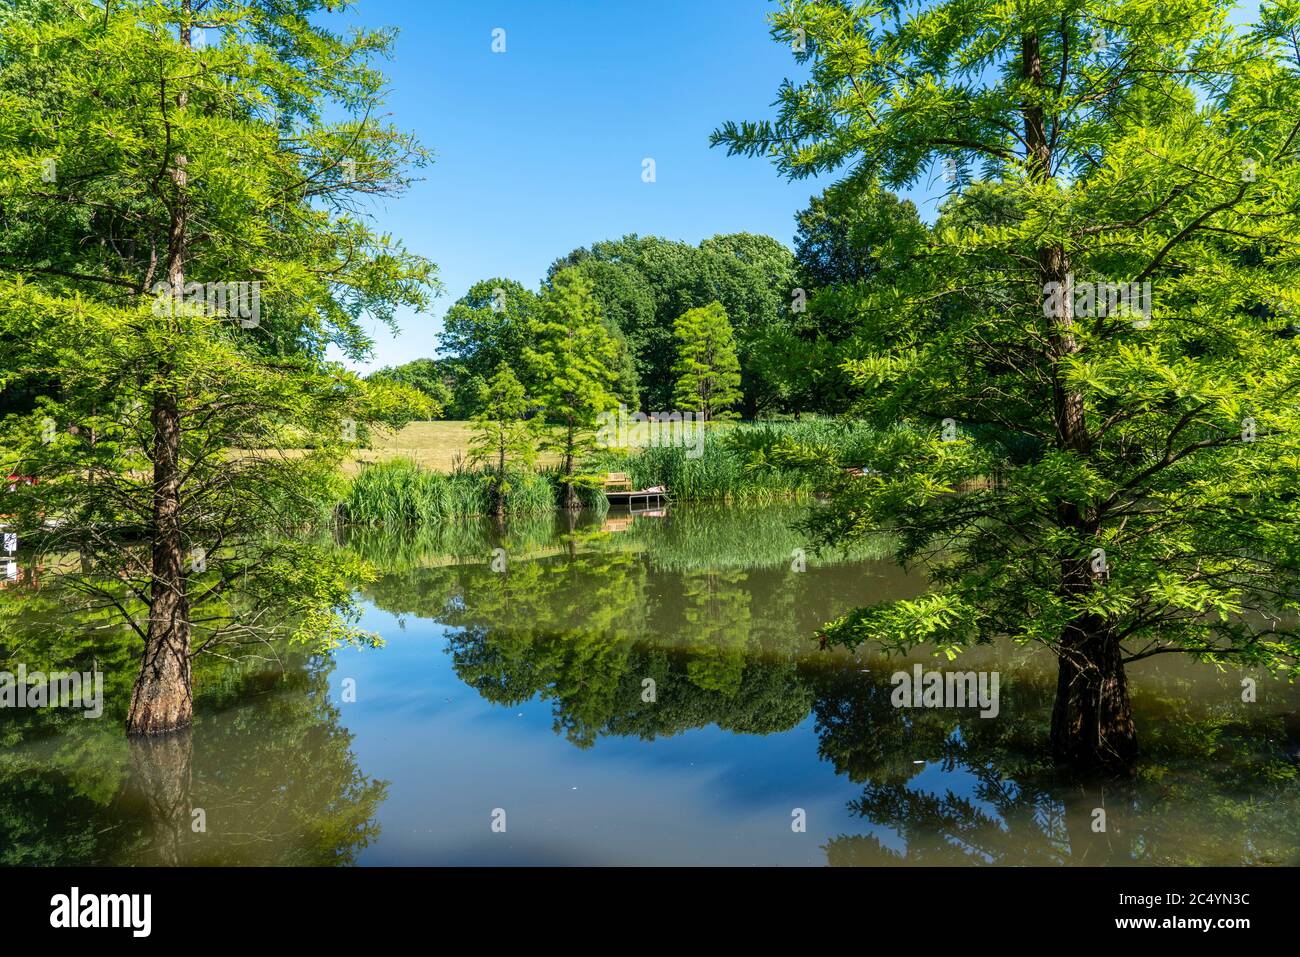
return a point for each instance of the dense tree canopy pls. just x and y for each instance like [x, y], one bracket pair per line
[483, 328]
[708, 372]
[849, 237]
[1157, 514]
[573, 359]
[651, 281]
[427, 376]
[183, 239]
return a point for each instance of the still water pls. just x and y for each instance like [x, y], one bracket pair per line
[642, 690]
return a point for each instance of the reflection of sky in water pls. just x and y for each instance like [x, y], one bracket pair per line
[707, 796]
[705, 602]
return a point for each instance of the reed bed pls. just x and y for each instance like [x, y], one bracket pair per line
[399, 492]
[733, 466]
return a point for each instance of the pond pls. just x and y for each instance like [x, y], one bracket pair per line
[642, 690]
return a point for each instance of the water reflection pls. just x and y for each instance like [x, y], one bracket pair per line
[266, 776]
[590, 626]
[1214, 787]
[634, 691]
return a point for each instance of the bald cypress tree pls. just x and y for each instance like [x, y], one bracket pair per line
[1116, 345]
[182, 243]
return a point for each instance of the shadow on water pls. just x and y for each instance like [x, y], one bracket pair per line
[632, 635]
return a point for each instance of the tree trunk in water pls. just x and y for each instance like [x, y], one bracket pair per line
[162, 781]
[162, 699]
[1092, 720]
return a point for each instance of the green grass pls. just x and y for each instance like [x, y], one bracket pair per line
[437, 446]
[730, 471]
[734, 468]
[399, 492]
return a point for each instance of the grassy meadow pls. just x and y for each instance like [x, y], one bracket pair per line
[443, 446]
[436, 446]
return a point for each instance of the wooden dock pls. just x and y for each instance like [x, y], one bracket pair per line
[619, 491]
[644, 498]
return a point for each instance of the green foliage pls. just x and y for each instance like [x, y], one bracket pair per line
[504, 438]
[645, 283]
[427, 376]
[852, 232]
[572, 359]
[851, 236]
[487, 326]
[746, 463]
[707, 370]
[399, 492]
[1156, 506]
[165, 432]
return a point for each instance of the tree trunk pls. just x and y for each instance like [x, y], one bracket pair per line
[162, 699]
[571, 500]
[498, 485]
[1092, 721]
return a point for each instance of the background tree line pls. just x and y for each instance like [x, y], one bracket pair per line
[790, 313]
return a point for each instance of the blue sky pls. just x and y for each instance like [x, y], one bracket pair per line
[539, 149]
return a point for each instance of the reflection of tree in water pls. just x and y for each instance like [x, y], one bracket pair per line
[767, 698]
[716, 628]
[728, 645]
[577, 632]
[563, 626]
[266, 761]
[162, 780]
[1213, 788]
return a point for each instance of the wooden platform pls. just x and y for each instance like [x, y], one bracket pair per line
[643, 498]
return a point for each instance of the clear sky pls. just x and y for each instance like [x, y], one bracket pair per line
[539, 149]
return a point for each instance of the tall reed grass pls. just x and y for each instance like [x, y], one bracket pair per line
[734, 466]
[399, 492]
